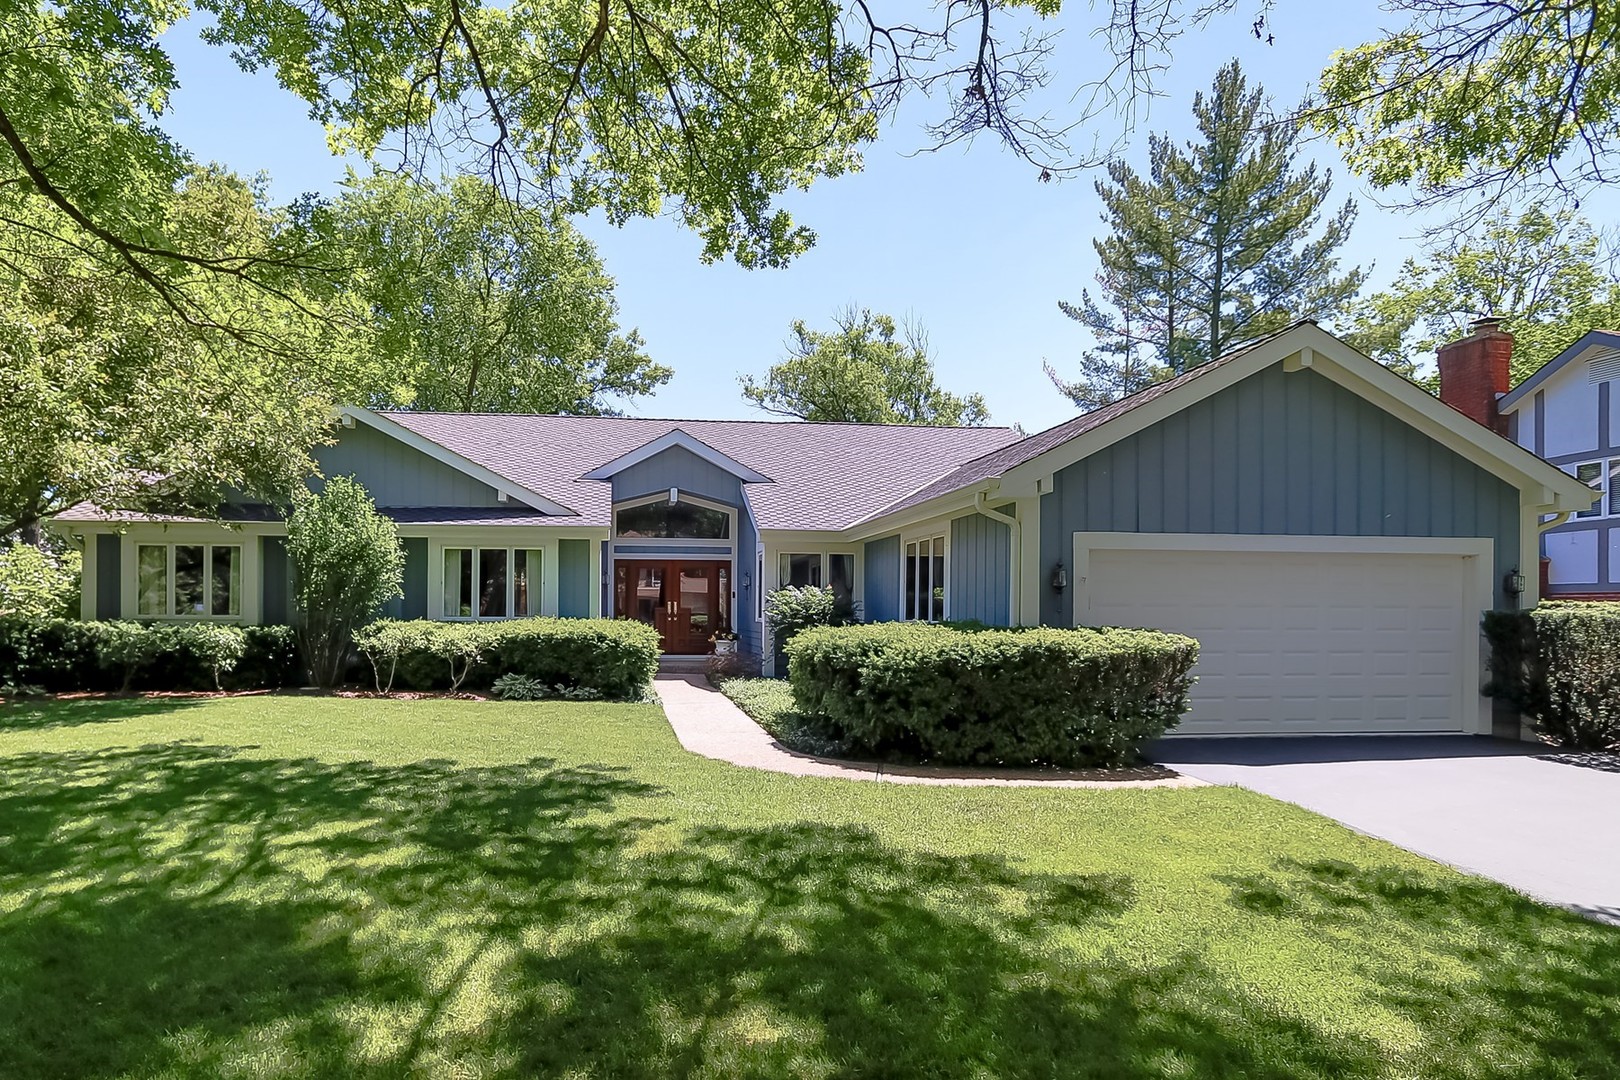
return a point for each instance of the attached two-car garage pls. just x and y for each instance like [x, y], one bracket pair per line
[1317, 635]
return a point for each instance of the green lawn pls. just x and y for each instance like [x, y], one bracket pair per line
[316, 887]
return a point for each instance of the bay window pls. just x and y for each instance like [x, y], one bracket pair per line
[491, 583]
[188, 580]
[924, 585]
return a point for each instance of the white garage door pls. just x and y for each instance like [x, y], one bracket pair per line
[1302, 642]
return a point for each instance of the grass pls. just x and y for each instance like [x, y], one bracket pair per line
[315, 887]
[770, 703]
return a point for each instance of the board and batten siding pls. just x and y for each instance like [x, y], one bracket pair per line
[573, 578]
[978, 569]
[882, 601]
[109, 575]
[397, 475]
[1279, 453]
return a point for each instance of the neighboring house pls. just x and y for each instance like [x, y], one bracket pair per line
[1568, 413]
[1327, 530]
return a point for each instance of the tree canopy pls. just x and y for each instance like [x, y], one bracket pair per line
[1547, 275]
[475, 304]
[1224, 239]
[866, 370]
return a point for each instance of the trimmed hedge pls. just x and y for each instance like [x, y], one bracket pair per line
[1559, 666]
[1087, 697]
[615, 658]
[62, 655]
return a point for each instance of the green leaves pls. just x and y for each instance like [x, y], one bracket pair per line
[861, 372]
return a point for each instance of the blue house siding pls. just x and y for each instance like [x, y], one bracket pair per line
[745, 608]
[396, 475]
[109, 575]
[882, 580]
[979, 567]
[1288, 453]
[677, 467]
[275, 597]
[574, 579]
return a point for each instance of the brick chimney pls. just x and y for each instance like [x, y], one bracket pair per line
[1474, 372]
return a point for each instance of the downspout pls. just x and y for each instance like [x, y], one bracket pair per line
[1555, 521]
[1015, 556]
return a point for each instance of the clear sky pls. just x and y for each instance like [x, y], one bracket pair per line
[967, 242]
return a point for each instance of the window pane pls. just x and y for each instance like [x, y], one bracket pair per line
[525, 582]
[152, 580]
[725, 598]
[458, 582]
[1614, 489]
[798, 570]
[188, 580]
[492, 582]
[226, 597]
[1590, 473]
[841, 577]
[936, 611]
[909, 611]
[683, 521]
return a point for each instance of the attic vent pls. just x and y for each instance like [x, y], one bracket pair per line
[1604, 365]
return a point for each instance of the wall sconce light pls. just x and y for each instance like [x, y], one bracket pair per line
[1513, 583]
[674, 496]
[1060, 578]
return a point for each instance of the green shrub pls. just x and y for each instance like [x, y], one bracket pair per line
[212, 647]
[269, 661]
[579, 658]
[61, 655]
[57, 655]
[795, 608]
[38, 584]
[1006, 697]
[128, 648]
[1559, 666]
[515, 687]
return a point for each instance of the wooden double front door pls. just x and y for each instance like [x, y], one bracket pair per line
[687, 601]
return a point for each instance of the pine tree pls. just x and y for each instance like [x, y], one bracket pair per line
[1214, 246]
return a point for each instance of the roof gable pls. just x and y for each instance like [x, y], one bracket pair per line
[1591, 345]
[673, 438]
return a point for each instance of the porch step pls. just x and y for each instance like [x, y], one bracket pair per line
[671, 664]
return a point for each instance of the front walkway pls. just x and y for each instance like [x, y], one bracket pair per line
[1544, 822]
[707, 723]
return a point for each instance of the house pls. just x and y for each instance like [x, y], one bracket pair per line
[1567, 413]
[1327, 530]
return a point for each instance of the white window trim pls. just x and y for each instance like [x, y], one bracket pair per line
[132, 604]
[648, 500]
[941, 536]
[511, 550]
[1608, 493]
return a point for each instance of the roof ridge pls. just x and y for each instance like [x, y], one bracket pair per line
[697, 420]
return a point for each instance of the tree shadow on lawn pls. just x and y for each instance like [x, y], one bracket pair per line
[48, 713]
[183, 911]
[1543, 996]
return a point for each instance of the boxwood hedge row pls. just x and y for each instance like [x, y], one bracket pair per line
[61, 655]
[614, 658]
[1087, 697]
[1559, 665]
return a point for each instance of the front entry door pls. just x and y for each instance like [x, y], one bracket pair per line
[682, 600]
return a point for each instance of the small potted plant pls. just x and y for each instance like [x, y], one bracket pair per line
[725, 642]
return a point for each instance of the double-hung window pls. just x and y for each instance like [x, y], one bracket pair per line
[491, 583]
[924, 585]
[1603, 477]
[832, 570]
[197, 581]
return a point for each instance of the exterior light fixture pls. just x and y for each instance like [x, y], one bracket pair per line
[674, 496]
[1513, 583]
[1060, 578]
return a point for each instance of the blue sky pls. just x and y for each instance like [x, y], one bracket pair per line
[966, 241]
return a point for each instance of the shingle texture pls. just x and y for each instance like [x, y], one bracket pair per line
[824, 476]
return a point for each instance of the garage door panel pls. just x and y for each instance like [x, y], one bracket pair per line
[1300, 642]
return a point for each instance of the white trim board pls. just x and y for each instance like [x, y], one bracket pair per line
[1479, 596]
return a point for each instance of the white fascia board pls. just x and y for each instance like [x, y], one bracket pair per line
[951, 504]
[677, 438]
[449, 457]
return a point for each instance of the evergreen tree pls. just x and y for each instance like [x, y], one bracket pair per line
[1212, 247]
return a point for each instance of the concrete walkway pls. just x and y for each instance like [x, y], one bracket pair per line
[1544, 822]
[707, 723]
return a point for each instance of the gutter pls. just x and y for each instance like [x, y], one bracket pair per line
[1555, 521]
[1015, 556]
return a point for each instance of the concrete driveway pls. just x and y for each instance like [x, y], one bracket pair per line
[1544, 822]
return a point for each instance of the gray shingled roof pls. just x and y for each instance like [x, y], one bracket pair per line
[825, 476]
[997, 462]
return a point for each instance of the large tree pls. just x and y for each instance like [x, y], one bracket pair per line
[1547, 275]
[478, 305]
[866, 370]
[111, 394]
[1224, 239]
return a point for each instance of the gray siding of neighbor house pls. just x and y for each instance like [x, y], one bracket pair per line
[1288, 453]
[882, 580]
[109, 576]
[979, 568]
[396, 475]
[275, 597]
[678, 467]
[574, 579]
